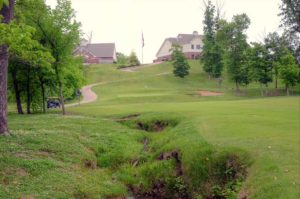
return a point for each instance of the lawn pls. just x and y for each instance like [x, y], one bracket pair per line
[92, 153]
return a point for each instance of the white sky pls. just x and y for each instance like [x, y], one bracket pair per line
[122, 21]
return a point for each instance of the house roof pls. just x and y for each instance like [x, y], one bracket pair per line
[101, 49]
[187, 38]
[181, 39]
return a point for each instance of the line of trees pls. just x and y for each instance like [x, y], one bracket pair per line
[226, 46]
[36, 55]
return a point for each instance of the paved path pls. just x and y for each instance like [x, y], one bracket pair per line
[88, 95]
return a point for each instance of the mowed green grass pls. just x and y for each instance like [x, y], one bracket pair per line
[266, 127]
[46, 155]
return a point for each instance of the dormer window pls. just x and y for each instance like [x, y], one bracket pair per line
[192, 46]
[198, 47]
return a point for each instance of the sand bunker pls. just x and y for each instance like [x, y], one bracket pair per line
[209, 93]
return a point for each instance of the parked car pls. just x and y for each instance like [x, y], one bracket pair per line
[53, 103]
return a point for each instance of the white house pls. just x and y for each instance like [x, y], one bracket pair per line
[191, 46]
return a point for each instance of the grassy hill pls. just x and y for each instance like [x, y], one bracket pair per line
[149, 131]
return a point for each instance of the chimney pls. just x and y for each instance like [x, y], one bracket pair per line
[195, 33]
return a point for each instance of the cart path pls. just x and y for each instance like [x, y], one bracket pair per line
[88, 95]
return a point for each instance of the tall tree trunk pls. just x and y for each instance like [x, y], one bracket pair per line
[60, 91]
[42, 84]
[61, 96]
[276, 82]
[28, 90]
[287, 90]
[237, 85]
[3, 89]
[267, 92]
[7, 13]
[261, 90]
[17, 91]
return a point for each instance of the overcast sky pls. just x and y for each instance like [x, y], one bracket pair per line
[122, 21]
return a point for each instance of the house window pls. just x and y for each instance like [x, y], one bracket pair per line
[198, 47]
[192, 46]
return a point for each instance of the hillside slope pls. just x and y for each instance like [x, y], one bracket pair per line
[150, 133]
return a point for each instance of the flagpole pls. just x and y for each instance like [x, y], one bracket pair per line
[143, 43]
[142, 54]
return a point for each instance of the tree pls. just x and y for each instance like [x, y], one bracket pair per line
[212, 51]
[290, 14]
[233, 38]
[208, 41]
[30, 65]
[259, 62]
[6, 13]
[275, 45]
[61, 33]
[288, 71]
[133, 60]
[122, 60]
[179, 61]
[30, 62]
[291, 22]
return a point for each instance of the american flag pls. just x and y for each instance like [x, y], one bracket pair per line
[143, 41]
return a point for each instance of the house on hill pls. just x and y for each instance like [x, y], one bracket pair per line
[99, 53]
[191, 46]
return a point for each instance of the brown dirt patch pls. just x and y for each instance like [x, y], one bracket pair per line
[175, 155]
[209, 93]
[155, 126]
[22, 172]
[91, 164]
[244, 194]
[27, 197]
[128, 117]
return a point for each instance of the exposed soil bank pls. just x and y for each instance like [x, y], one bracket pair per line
[154, 126]
[209, 93]
[168, 169]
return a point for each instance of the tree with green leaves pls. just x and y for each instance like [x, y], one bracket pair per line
[68, 72]
[6, 15]
[179, 61]
[276, 46]
[133, 59]
[260, 64]
[290, 20]
[30, 62]
[288, 71]
[35, 70]
[290, 13]
[122, 60]
[212, 51]
[61, 33]
[233, 38]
